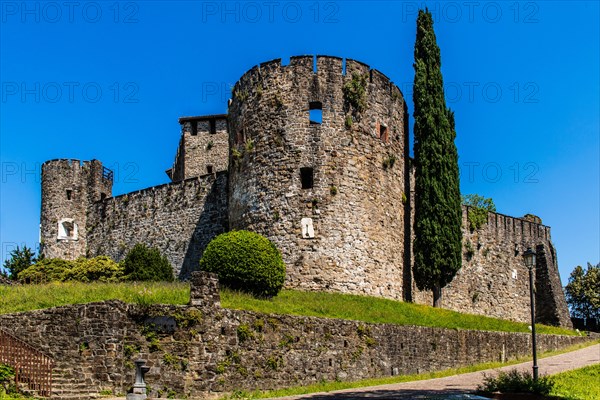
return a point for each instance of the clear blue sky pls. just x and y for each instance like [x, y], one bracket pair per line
[108, 80]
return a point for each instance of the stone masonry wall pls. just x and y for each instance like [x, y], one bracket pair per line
[178, 218]
[203, 148]
[68, 188]
[196, 350]
[357, 167]
[494, 280]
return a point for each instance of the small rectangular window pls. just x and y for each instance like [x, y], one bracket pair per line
[315, 113]
[194, 128]
[102, 196]
[209, 169]
[213, 126]
[69, 193]
[383, 133]
[307, 177]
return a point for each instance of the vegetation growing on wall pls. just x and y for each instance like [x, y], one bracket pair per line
[479, 207]
[355, 94]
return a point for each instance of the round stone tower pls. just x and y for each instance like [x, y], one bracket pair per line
[68, 188]
[318, 164]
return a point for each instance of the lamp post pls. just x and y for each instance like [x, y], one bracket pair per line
[529, 256]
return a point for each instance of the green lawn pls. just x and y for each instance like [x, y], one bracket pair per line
[35, 297]
[371, 309]
[579, 384]
[327, 305]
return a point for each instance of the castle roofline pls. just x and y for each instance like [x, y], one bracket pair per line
[202, 118]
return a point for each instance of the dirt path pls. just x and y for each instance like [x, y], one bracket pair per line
[458, 384]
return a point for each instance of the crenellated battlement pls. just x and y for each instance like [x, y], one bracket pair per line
[506, 225]
[329, 68]
[64, 163]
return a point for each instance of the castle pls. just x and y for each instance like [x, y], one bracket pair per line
[330, 186]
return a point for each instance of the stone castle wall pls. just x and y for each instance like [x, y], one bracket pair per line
[333, 194]
[203, 147]
[178, 218]
[494, 280]
[354, 204]
[203, 349]
[68, 189]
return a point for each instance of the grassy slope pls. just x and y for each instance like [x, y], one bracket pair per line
[369, 309]
[35, 297]
[579, 384]
[328, 305]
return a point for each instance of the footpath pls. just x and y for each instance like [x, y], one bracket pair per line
[458, 386]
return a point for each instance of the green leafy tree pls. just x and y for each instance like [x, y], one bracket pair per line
[20, 259]
[146, 264]
[245, 261]
[583, 291]
[478, 211]
[438, 214]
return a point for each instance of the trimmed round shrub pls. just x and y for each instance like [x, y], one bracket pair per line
[146, 264]
[245, 261]
[46, 270]
[100, 268]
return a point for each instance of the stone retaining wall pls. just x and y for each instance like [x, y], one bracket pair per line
[196, 350]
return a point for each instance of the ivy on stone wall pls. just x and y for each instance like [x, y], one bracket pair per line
[479, 207]
[355, 92]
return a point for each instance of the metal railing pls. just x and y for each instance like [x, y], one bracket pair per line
[32, 367]
[107, 174]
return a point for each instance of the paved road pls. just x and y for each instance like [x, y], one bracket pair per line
[457, 384]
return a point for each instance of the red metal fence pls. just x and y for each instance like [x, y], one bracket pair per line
[32, 367]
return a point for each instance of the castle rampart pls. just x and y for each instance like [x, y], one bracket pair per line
[327, 189]
[493, 279]
[313, 155]
[178, 218]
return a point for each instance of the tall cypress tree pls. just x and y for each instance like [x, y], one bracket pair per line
[438, 215]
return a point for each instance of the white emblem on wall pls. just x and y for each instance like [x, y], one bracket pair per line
[308, 231]
[514, 274]
[67, 229]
